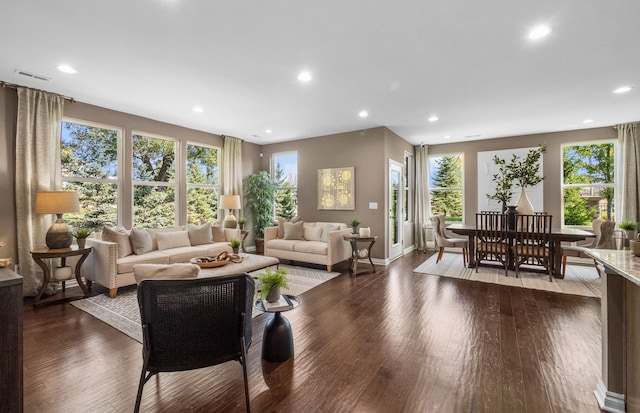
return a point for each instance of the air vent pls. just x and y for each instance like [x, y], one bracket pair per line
[31, 75]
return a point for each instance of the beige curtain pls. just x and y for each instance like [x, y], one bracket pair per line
[232, 169]
[629, 188]
[37, 169]
[422, 196]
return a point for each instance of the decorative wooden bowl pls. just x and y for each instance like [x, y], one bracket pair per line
[209, 262]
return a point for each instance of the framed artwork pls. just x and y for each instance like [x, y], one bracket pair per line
[336, 188]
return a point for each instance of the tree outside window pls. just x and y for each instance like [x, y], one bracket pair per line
[588, 182]
[446, 187]
[203, 183]
[285, 173]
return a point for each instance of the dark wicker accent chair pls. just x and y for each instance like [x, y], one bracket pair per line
[193, 323]
[532, 243]
[492, 243]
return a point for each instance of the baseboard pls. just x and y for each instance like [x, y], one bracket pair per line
[609, 401]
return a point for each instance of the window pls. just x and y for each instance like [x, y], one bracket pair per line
[285, 174]
[408, 183]
[588, 182]
[445, 186]
[154, 182]
[89, 165]
[203, 183]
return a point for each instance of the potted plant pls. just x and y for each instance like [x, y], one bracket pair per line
[81, 236]
[260, 189]
[525, 173]
[241, 222]
[504, 182]
[235, 243]
[354, 225]
[271, 282]
[630, 229]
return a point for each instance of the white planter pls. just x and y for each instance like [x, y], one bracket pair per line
[273, 295]
[524, 206]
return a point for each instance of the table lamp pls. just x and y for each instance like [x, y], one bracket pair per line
[57, 202]
[230, 202]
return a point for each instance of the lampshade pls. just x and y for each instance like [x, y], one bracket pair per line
[57, 202]
[230, 202]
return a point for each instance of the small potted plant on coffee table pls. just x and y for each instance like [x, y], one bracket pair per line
[81, 236]
[235, 243]
[271, 282]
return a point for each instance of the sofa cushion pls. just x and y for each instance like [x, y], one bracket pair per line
[175, 239]
[326, 229]
[283, 244]
[281, 222]
[200, 234]
[216, 248]
[155, 231]
[293, 230]
[120, 237]
[140, 241]
[312, 233]
[184, 254]
[311, 247]
[125, 265]
[144, 271]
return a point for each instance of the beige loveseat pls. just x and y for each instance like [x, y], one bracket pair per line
[312, 242]
[116, 251]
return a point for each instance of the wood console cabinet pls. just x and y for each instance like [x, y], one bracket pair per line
[10, 341]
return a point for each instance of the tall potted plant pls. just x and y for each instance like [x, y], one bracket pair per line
[525, 172]
[504, 182]
[260, 191]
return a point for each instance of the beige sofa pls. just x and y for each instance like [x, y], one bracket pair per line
[115, 252]
[320, 242]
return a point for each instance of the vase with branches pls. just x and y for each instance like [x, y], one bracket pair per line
[504, 183]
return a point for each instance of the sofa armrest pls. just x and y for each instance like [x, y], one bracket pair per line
[270, 233]
[337, 248]
[101, 264]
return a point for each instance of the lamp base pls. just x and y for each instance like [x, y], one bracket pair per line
[59, 236]
[230, 222]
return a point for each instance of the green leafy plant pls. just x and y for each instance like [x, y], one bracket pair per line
[272, 279]
[242, 221]
[82, 233]
[260, 190]
[355, 222]
[235, 243]
[525, 172]
[504, 182]
[629, 225]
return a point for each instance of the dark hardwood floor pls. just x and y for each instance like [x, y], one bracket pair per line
[393, 341]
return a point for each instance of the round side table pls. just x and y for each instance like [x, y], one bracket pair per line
[277, 339]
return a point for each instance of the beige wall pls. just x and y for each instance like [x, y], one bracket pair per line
[552, 162]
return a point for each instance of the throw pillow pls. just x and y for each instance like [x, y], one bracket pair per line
[312, 233]
[173, 239]
[326, 229]
[143, 271]
[154, 231]
[218, 233]
[293, 230]
[232, 233]
[200, 234]
[281, 222]
[140, 241]
[120, 237]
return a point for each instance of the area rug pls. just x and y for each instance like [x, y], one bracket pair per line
[122, 312]
[580, 278]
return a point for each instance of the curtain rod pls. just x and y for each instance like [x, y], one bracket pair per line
[14, 86]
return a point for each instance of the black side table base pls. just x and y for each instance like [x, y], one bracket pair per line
[277, 339]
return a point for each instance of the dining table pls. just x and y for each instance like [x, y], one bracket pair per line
[558, 235]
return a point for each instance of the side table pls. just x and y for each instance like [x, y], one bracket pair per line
[354, 239]
[277, 339]
[41, 254]
[244, 233]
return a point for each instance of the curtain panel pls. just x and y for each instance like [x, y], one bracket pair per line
[629, 139]
[232, 169]
[37, 169]
[421, 201]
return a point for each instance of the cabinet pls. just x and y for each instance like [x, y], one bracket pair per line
[10, 341]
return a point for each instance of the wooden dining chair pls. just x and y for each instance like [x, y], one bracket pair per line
[443, 240]
[492, 243]
[532, 242]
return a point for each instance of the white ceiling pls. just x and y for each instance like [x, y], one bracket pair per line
[468, 62]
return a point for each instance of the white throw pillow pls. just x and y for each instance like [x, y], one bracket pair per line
[173, 239]
[200, 234]
[281, 222]
[154, 231]
[120, 237]
[326, 229]
[313, 233]
[140, 241]
[230, 233]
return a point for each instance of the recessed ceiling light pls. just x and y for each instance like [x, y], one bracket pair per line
[433, 118]
[198, 109]
[305, 76]
[363, 114]
[66, 69]
[447, 137]
[539, 32]
[268, 131]
[587, 121]
[622, 89]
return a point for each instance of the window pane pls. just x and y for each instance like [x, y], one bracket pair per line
[202, 204]
[88, 152]
[286, 178]
[286, 203]
[153, 159]
[98, 205]
[447, 202]
[153, 206]
[445, 181]
[581, 204]
[202, 165]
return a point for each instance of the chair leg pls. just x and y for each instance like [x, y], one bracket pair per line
[597, 270]
[564, 265]
[465, 256]
[440, 252]
[246, 379]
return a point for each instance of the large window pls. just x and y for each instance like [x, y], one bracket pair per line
[203, 183]
[89, 165]
[154, 181]
[588, 182]
[285, 174]
[446, 186]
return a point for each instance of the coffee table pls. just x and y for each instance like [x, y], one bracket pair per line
[250, 262]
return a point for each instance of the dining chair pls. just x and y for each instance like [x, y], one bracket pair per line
[492, 243]
[443, 240]
[193, 323]
[603, 231]
[532, 242]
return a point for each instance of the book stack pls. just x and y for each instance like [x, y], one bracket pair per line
[284, 303]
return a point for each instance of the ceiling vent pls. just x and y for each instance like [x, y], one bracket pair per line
[32, 75]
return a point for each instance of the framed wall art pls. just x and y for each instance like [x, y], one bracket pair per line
[336, 188]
